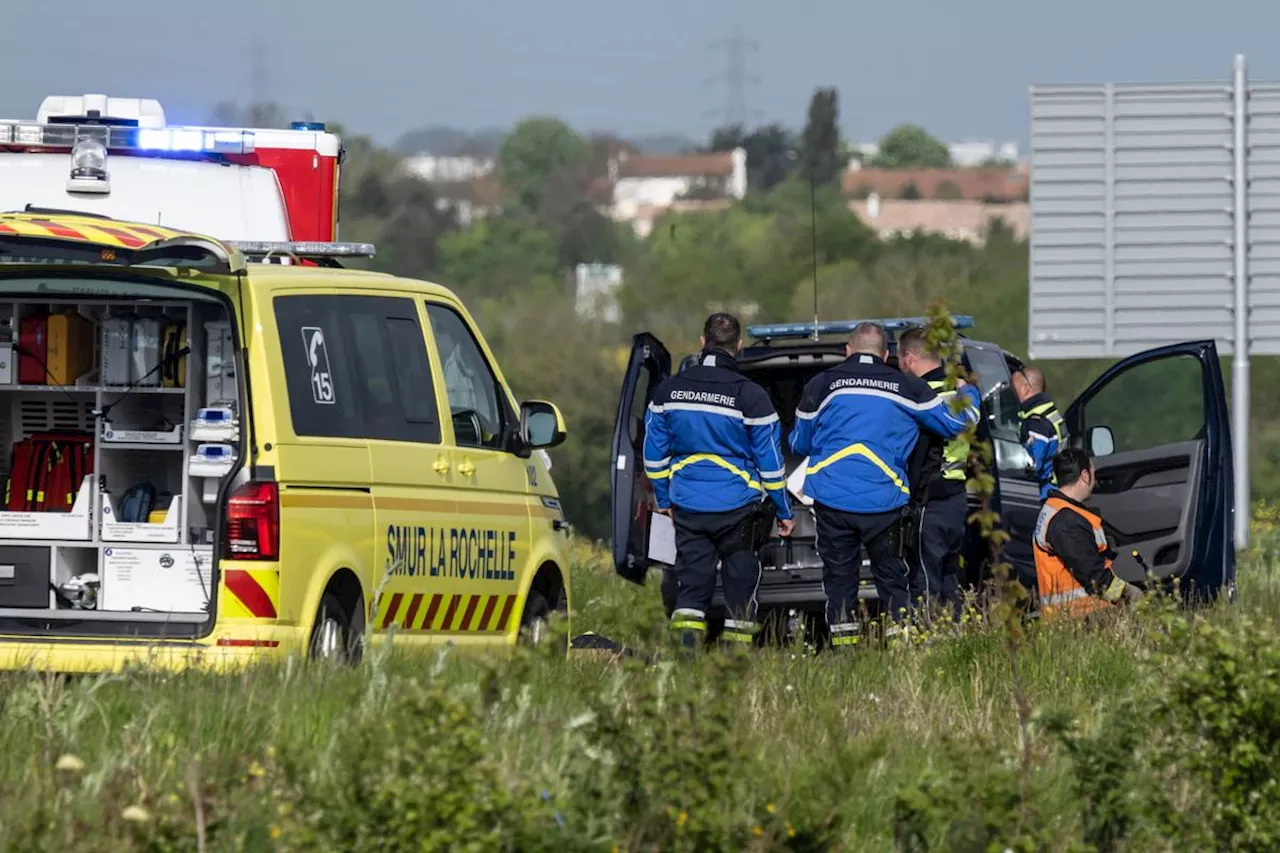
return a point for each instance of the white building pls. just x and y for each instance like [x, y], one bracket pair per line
[643, 183]
[434, 169]
[596, 292]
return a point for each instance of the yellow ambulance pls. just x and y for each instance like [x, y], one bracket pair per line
[247, 451]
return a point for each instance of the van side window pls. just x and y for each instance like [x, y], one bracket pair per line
[476, 403]
[356, 367]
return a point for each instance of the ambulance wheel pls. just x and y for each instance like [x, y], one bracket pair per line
[333, 638]
[535, 622]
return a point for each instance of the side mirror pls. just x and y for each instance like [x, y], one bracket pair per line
[541, 425]
[1101, 441]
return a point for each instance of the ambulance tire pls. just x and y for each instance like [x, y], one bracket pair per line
[333, 638]
[535, 621]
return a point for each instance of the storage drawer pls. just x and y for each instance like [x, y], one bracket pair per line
[24, 577]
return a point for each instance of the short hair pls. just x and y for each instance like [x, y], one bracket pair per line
[916, 342]
[1034, 377]
[722, 330]
[869, 338]
[1070, 463]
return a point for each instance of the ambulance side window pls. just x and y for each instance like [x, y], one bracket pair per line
[356, 367]
[476, 402]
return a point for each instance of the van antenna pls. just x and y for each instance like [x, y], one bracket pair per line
[813, 228]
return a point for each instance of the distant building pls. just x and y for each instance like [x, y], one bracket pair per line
[643, 186]
[596, 292]
[435, 169]
[968, 153]
[977, 153]
[962, 219]
[994, 185]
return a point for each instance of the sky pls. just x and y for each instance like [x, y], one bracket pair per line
[383, 67]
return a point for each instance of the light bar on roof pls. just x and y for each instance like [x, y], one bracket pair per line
[159, 139]
[843, 327]
[304, 250]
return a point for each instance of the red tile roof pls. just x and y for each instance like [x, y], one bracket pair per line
[719, 164]
[996, 184]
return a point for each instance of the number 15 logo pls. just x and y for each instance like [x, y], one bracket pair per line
[318, 358]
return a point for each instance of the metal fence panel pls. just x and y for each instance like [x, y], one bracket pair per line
[1132, 217]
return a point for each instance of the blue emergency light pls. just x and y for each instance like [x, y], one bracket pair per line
[317, 126]
[127, 138]
[776, 331]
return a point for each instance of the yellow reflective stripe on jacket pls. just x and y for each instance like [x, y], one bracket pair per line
[718, 460]
[865, 452]
[1050, 413]
[956, 451]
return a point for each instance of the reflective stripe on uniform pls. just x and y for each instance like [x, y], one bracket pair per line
[955, 453]
[1064, 597]
[859, 449]
[1114, 590]
[845, 634]
[686, 619]
[715, 460]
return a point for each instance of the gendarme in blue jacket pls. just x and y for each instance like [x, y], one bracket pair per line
[858, 423]
[1043, 433]
[712, 440]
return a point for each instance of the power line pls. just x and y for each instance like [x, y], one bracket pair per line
[258, 74]
[735, 76]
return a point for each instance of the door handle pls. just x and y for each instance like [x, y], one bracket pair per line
[441, 465]
[466, 469]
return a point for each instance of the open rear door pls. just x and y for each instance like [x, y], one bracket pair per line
[650, 363]
[1158, 428]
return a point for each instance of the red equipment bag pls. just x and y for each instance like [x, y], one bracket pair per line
[47, 471]
[33, 343]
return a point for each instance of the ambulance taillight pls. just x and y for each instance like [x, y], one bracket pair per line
[251, 523]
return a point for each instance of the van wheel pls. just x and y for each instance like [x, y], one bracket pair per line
[333, 638]
[535, 622]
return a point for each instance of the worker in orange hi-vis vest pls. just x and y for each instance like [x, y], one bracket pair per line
[1073, 557]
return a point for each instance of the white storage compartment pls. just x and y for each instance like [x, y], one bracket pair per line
[162, 524]
[144, 367]
[117, 350]
[156, 423]
[75, 577]
[221, 387]
[153, 579]
[70, 526]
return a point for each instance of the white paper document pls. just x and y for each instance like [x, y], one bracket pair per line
[795, 483]
[662, 539]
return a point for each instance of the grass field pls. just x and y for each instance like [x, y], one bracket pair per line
[917, 749]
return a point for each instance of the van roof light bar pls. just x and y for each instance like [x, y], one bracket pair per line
[268, 251]
[127, 138]
[782, 331]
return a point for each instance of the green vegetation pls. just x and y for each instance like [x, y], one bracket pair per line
[1148, 733]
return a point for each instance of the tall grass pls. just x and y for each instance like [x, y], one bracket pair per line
[778, 749]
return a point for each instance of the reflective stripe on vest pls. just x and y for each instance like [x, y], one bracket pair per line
[956, 451]
[1059, 590]
[1049, 412]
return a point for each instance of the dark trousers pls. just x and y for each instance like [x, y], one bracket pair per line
[840, 535]
[704, 539]
[937, 551]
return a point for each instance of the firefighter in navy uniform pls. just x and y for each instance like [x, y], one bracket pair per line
[713, 451]
[1073, 557]
[943, 500]
[858, 422]
[1043, 430]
